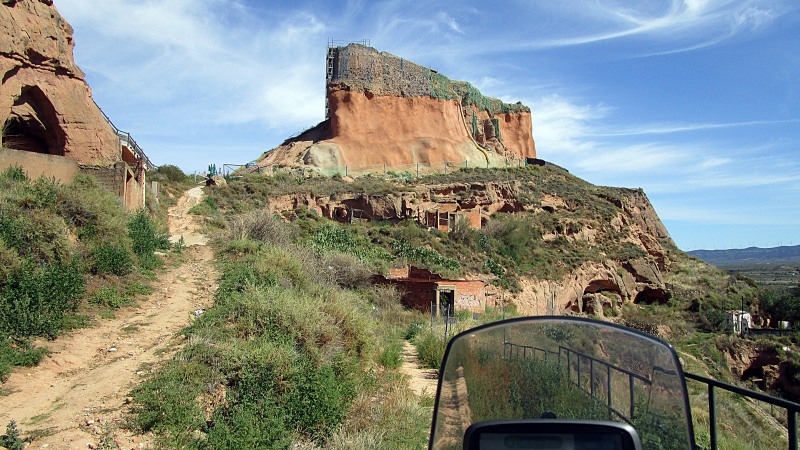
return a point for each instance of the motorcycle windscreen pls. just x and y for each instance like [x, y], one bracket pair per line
[562, 368]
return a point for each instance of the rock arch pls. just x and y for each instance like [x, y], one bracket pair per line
[33, 124]
[594, 302]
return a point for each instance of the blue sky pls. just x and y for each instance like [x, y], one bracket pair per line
[695, 101]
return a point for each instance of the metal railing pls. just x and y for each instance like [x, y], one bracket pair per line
[609, 369]
[576, 363]
[126, 137]
[791, 408]
[578, 360]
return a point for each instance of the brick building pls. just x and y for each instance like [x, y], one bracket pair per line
[424, 290]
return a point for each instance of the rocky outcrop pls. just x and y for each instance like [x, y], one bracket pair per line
[45, 104]
[771, 368]
[382, 109]
[597, 287]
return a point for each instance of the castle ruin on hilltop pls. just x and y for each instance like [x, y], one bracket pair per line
[381, 109]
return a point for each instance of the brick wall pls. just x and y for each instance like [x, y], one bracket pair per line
[474, 217]
[398, 272]
[420, 291]
[469, 295]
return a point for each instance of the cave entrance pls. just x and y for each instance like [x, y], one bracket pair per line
[33, 125]
[649, 295]
[600, 297]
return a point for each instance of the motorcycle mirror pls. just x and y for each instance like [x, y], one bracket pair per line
[560, 383]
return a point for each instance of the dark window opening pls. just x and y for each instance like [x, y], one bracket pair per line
[447, 302]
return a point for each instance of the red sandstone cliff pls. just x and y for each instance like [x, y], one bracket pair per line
[45, 104]
[385, 110]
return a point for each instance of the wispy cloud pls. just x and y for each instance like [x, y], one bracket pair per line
[682, 128]
[681, 24]
[569, 133]
[563, 126]
[450, 21]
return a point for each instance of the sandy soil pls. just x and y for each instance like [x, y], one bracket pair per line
[182, 224]
[422, 381]
[77, 396]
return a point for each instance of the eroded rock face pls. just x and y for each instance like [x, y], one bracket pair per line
[45, 104]
[595, 287]
[763, 366]
[383, 109]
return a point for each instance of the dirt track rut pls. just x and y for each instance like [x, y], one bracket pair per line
[76, 397]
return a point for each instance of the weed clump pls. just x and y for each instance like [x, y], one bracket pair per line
[145, 236]
[112, 259]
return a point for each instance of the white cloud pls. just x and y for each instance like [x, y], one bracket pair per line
[641, 158]
[203, 61]
[568, 133]
[450, 22]
[561, 126]
[657, 27]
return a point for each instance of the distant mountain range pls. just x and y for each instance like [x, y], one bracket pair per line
[751, 255]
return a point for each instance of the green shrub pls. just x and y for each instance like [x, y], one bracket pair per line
[12, 440]
[9, 262]
[14, 174]
[317, 400]
[345, 270]
[145, 236]
[94, 211]
[333, 238]
[37, 233]
[40, 193]
[35, 298]
[391, 357]
[172, 173]
[414, 328]
[260, 225]
[112, 259]
[109, 297]
[237, 277]
[430, 348]
[425, 256]
[167, 401]
[261, 425]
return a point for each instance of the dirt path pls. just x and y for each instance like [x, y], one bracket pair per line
[77, 396]
[422, 381]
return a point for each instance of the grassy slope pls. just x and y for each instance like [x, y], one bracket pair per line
[296, 349]
[289, 288]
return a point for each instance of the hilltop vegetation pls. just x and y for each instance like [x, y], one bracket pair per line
[511, 246]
